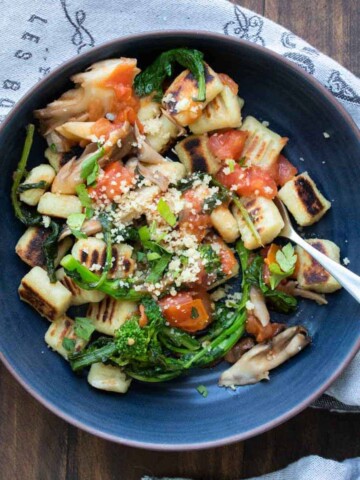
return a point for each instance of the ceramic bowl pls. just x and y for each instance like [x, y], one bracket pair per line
[173, 416]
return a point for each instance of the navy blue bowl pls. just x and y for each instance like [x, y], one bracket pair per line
[173, 416]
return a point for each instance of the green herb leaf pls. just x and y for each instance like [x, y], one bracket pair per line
[153, 256]
[90, 167]
[68, 344]
[151, 79]
[242, 162]
[202, 390]
[286, 257]
[211, 259]
[84, 327]
[53, 148]
[31, 186]
[85, 200]
[285, 266]
[166, 213]
[231, 164]
[74, 222]
[144, 234]
[158, 268]
[194, 312]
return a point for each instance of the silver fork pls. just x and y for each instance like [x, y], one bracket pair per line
[349, 280]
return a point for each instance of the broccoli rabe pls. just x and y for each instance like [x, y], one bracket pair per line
[131, 340]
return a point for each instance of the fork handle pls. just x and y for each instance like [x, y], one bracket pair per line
[349, 280]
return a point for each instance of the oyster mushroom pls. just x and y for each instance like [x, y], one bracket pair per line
[291, 288]
[89, 227]
[255, 364]
[69, 175]
[259, 306]
[78, 103]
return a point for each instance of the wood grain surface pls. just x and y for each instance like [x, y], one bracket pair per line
[36, 445]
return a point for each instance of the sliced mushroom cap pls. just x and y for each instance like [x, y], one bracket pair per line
[69, 175]
[260, 309]
[89, 227]
[255, 364]
[146, 153]
[291, 288]
[238, 350]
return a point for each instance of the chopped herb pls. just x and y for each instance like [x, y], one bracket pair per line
[211, 259]
[68, 344]
[153, 256]
[151, 79]
[85, 200]
[140, 256]
[31, 186]
[242, 162]
[158, 268]
[231, 165]
[144, 234]
[194, 312]
[53, 148]
[90, 167]
[166, 213]
[213, 201]
[74, 222]
[284, 266]
[202, 390]
[84, 327]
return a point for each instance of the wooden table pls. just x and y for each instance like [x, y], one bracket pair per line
[36, 445]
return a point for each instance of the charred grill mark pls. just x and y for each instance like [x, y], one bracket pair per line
[94, 259]
[33, 254]
[308, 196]
[32, 297]
[316, 273]
[70, 285]
[83, 256]
[193, 147]
[115, 257]
[126, 265]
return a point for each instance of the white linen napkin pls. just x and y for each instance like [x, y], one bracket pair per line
[308, 468]
[39, 35]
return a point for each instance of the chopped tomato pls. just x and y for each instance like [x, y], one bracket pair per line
[126, 103]
[226, 80]
[189, 311]
[192, 219]
[254, 327]
[286, 171]
[103, 128]
[271, 254]
[121, 80]
[228, 144]
[248, 181]
[112, 183]
[228, 260]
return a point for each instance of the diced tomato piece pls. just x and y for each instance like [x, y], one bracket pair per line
[226, 80]
[103, 128]
[189, 311]
[271, 254]
[121, 80]
[113, 182]
[192, 219]
[254, 327]
[228, 144]
[286, 171]
[228, 260]
[249, 181]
